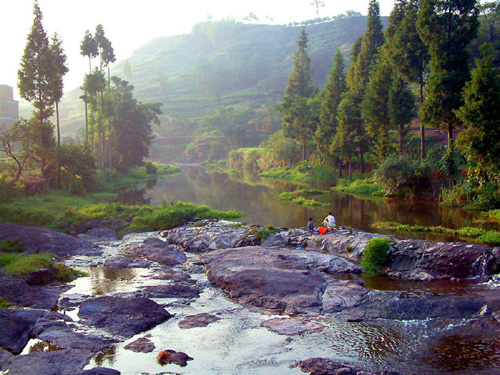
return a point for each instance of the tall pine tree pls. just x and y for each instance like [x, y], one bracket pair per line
[447, 27]
[330, 100]
[35, 77]
[298, 113]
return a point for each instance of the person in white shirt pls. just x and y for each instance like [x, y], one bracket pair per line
[329, 221]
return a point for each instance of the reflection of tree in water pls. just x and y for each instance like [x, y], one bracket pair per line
[44, 346]
[108, 280]
[133, 196]
[256, 198]
[458, 353]
[107, 355]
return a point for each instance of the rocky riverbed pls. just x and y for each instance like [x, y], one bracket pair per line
[215, 298]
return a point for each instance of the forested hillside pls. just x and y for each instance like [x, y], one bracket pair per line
[221, 63]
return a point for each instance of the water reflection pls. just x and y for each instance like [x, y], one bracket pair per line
[106, 358]
[103, 280]
[465, 354]
[255, 197]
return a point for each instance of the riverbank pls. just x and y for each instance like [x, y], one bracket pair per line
[293, 302]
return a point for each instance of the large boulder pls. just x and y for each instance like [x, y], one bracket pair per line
[18, 292]
[59, 362]
[16, 327]
[156, 250]
[271, 279]
[123, 316]
[45, 240]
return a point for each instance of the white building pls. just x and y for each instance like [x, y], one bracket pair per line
[9, 108]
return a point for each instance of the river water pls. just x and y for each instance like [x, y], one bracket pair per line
[255, 197]
[239, 344]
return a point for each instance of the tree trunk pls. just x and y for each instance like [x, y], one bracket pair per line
[401, 127]
[303, 149]
[422, 128]
[350, 171]
[58, 128]
[450, 134]
[362, 160]
[86, 122]
[340, 168]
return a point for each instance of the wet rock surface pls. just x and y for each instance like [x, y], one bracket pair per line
[45, 240]
[141, 345]
[314, 289]
[122, 316]
[171, 356]
[198, 320]
[16, 326]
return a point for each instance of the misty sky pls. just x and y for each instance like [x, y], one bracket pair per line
[130, 23]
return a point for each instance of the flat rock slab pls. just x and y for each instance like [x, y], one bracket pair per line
[123, 316]
[45, 240]
[270, 279]
[141, 345]
[198, 320]
[291, 326]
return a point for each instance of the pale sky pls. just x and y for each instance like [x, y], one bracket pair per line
[130, 23]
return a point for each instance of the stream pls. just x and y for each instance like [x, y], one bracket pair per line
[239, 344]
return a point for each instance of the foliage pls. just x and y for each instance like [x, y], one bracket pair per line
[22, 265]
[298, 111]
[78, 170]
[361, 187]
[480, 114]
[156, 218]
[468, 233]
[472, 193]
[4, 304]
[245, 158]
[375, 254]
[441, 24]
[11, 245]
[36, 74]
[297, 197]
[263, 233]
[330, 100]
[402, 175]
[9, 189]
[279, 150]
[151, 168]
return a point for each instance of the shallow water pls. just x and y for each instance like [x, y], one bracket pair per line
[239, 344]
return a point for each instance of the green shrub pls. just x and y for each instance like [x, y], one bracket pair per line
[262, 234]
[11, 245]
[401, 175]
[151, 168]
[22, 265]
[375, 254]
[490, 237]
[4, 304]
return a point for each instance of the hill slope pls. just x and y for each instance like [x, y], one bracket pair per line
[246, 65]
